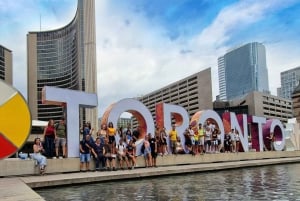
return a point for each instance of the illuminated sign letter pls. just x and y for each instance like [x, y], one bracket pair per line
[73, 99]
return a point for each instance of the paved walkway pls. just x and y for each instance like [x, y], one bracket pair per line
[18, 188]
[15, 189]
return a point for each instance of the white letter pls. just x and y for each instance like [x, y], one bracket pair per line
[164, 114]
[138, 110]
[243, 135]
[74, 100]
[277, 124]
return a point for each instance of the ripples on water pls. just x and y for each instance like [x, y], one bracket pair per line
[278, 182]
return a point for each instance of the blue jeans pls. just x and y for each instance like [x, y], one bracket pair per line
[42, 161]
[49, 146]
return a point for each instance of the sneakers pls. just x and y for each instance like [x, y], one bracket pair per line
[42, 170]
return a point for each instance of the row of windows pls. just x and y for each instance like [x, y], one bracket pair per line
[275, 100]
[65, 31]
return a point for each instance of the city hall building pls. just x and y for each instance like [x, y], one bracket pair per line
[64, 58]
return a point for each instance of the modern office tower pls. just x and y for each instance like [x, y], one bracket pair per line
[193, 93]
[289, 81]
[65, 58]
[243, 70]
[6, 65]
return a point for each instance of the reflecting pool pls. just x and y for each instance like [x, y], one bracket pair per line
[276, 182]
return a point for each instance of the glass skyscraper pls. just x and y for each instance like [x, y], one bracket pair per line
[243, 70]
[65, 58]
[289, 81]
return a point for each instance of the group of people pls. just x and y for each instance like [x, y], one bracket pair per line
[106, 151]
[54, 136]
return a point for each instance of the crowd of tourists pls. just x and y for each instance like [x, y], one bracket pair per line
[108, 153]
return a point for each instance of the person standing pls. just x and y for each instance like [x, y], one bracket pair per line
[201, 138]
[271, 139]
[61, 140]
[158, 140]
[111, 132]
[85, 153]
[136, 134]
[146, 150]
[163, 138]
[102, 133]
[49, 136]
[154, 148]
[237, 141]
[128, 134]
[191, 134]
[233, 142]
[173, 139]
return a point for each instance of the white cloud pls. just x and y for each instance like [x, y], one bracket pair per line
[135, 55]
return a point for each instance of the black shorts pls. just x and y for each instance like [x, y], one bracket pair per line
[153, 154]
[207, 142]
[111, 139]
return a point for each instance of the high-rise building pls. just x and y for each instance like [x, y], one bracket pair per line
[6, 65]
[296, 102]
[243, 70]
[65, 58]
[289, 81]
[194, 93]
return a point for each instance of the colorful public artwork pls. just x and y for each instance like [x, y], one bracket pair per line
[15, 120]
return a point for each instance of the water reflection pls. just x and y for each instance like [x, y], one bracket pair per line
[278, 182]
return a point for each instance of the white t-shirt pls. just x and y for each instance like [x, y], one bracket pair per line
[120, 148]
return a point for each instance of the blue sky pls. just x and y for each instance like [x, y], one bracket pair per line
[145, 45]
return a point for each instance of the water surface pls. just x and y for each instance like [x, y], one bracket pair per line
[276, 182]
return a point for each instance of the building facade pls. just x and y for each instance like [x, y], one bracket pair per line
[193, 93]
[243, 70]
[289, 81]
[6, 65]
[258, 104]
[65, 58]
[296, 102]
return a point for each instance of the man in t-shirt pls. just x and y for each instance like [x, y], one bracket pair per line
[61, 133]
[85, 147]
[136, 134]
